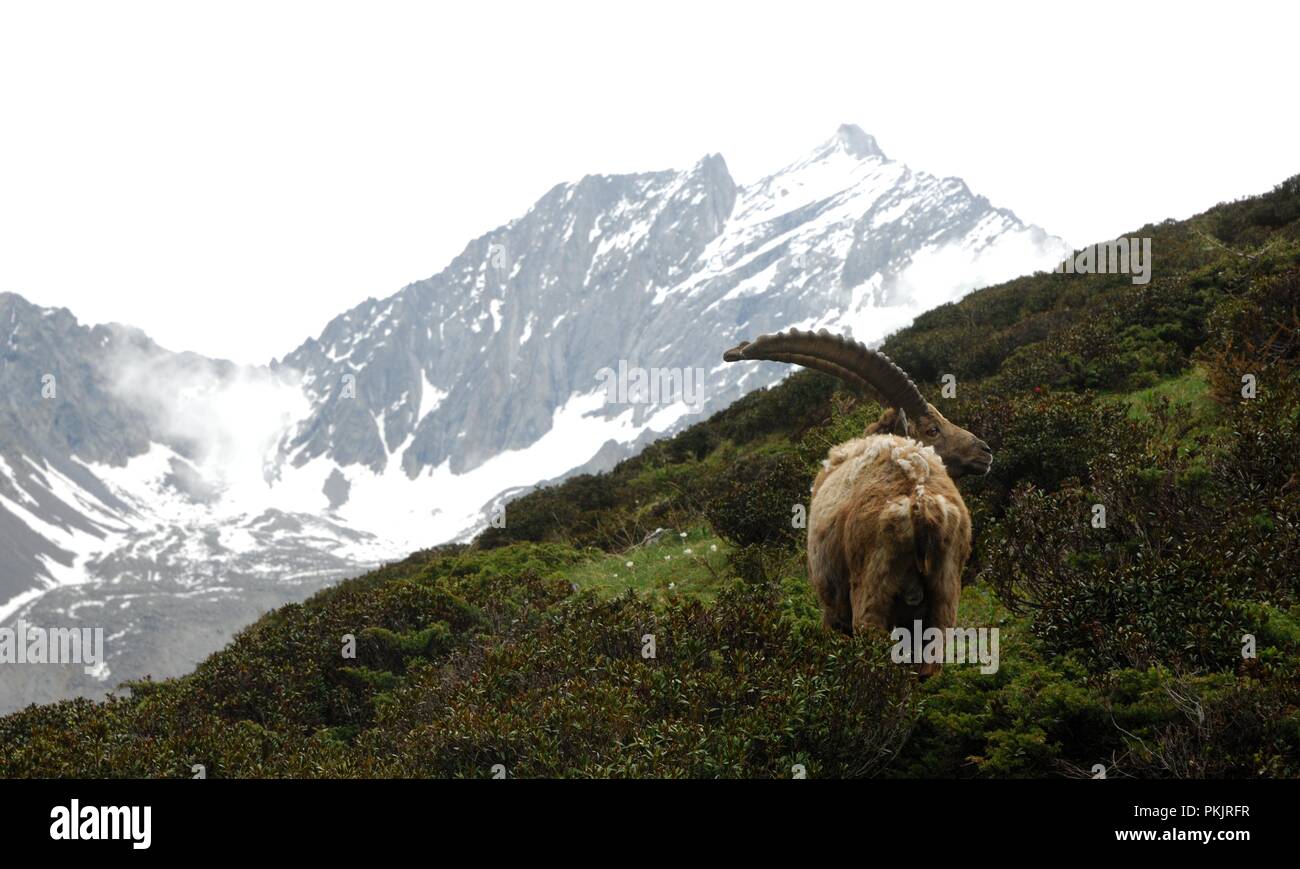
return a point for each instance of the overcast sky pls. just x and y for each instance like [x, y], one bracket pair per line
[229, 176]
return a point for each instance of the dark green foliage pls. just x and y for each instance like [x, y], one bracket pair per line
[1111, 599]
[1195, 528]
[1252, 220]
[757, 501]
[562, 689]
[1035, 719]
[727, 694]
[1245, 728]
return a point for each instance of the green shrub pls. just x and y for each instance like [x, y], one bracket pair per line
[758, 502]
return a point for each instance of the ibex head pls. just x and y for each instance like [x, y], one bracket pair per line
[874, 375]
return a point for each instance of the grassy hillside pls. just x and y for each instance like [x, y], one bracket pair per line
[1120, 645]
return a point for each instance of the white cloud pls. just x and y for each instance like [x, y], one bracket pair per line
[228, 419]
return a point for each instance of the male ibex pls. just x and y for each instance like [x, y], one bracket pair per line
[888, 532]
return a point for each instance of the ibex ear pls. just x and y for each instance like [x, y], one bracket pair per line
[900, 423]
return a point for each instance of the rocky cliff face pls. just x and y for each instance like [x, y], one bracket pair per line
[658, 271]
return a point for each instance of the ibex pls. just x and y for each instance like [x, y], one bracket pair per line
[888, 532]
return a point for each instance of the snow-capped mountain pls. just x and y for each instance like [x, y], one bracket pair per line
[168, 498]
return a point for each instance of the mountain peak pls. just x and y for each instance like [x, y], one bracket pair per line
[854, 141]
[714, 168]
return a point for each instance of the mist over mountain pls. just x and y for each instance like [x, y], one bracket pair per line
[170, 498]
